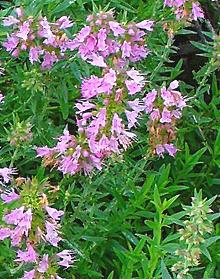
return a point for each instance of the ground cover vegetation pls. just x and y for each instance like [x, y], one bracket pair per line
[110, 139]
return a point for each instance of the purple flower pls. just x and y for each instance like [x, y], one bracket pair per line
[64, 22]
[197, 12]
[160, 150]
[29, 274]
[24, 31]
[83, 34]
[49, 59]
[131, 117]
[4, 233]
[149, 100]
[126, 49]
[10, 20]
[15, 216]
[133, 87]
[6, 173]
[66, 258]
[27, 256]
[43, 264]
[166, 116]
[34, 54]
[97, 60]
[55, 214]
[171, 149]
[52, 235]
[146, 24]
[116, 28]
[8, 197]
[11, 43]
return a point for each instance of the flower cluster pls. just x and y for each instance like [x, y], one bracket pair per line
[111, 105]
[165, 109]
[196, 227]
[185, 9]
[104, 37]
[45, 41]
[29, 221]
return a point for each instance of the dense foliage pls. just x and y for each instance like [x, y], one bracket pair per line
[110, 139]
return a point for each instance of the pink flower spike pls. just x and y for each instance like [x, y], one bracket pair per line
[146, 24]
[55, 214]
[43, 264]
[29, 274]
[10, 197]
[27, 256]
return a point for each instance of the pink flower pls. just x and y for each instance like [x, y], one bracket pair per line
[132, 118]
[166, 116]
[101, 39]
[34, 54]
[171, 149]
[67, 258]
[52, 235]
[27, 256]
[11, 43]
[44, 151]
[43, 264]
[83, 34]
[6, 173]
[49, 59]
[10, 196]
[64, 22]
[55, 214]
[160, 150]
[133, 87]
[24, 31]
[4, 233]
[116, 28]
[97, 60]
[149, 100]
[135, 75]
[146, 24]
[29, 274]
[10, 20]
[136, 105]
[126, 49]
[197, 12]
[15, 216]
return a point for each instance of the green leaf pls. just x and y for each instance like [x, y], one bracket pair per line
[164, 271]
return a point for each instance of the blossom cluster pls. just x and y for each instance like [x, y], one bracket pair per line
[111, 104]
[44, 41]
[104, 37]
[186, 9]
[164, 107]
[29, 221]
